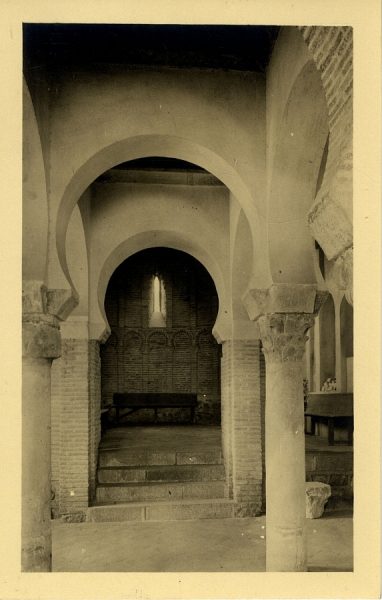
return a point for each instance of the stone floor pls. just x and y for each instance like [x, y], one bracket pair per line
[193, 437]
[163, 438]
[210, 545]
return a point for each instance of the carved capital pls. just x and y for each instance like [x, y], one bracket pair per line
[41, 339]
[40, 332]
[284, 335]
[284, 298]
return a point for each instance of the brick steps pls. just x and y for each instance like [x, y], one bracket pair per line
[151, 491]
[163, 511]
[150, 484]
[167, 473]
[124, 457]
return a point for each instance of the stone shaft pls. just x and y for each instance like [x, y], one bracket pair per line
[36, 492]
[41, 343]
[283, 338]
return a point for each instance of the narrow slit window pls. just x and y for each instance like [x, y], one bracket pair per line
[157, 317]
[157, 298]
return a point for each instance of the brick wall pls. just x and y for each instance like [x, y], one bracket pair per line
[242, 417]
[226, 411]
[183, 356]
[332, 51]
[55, 435]
[334, 468]
[76, 397]
[94, 429]
[262, 408]
[73, 427]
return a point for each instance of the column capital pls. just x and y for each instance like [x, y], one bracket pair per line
[283, 298]
[284, 335]
[41, 311]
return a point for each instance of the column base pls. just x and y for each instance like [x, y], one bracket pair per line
[286, 549]
[36, 555]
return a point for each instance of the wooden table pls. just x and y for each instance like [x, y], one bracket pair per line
[331, 406]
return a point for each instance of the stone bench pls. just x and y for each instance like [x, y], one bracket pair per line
[316, 496]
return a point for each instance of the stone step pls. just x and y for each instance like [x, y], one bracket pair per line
[163, 511]
[149, 492]
[161, 473]
[140, 458]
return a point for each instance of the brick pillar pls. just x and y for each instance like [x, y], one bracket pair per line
[226, 411]
[76, 420]
[70, 421]
[40, 345]
[94, 432]
[241, 424]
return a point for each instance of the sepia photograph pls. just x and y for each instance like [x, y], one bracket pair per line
[200, 206]
[187, 401]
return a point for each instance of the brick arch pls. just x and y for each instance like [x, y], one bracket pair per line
[330, 217]
[180, 337]
[331, 49]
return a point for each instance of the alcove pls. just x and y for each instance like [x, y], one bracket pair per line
[161, 305]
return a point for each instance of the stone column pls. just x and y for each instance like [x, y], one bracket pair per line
[284, 313]
[283, 337]
[41, 343]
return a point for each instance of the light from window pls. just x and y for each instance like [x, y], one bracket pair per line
[157, 294]
[157, 310]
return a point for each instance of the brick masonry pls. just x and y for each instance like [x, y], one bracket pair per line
[75, 425]
[332, 51]
[183, 356]
[94, 431]
[334, 468]
[242, 415]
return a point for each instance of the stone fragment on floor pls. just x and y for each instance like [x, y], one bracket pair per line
[316, 494]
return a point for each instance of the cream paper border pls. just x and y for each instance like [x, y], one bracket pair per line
[364, 16]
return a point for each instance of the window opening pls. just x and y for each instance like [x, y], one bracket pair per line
[157, 298]
[157, 317]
